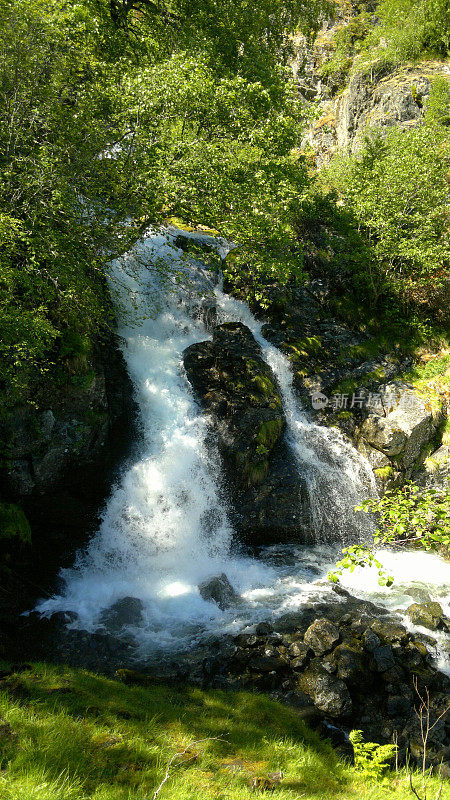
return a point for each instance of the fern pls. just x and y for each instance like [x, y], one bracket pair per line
[371, 759]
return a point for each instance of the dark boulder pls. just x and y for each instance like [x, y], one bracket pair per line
[241, 395]
[328, 693]
[219, 590]
[124, 612]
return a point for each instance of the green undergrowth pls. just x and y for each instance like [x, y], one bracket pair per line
[71, 735]
[431, 374]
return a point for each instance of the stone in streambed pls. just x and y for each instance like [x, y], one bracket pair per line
[218, 590]
[322, 636]
[124, 612]
[428, 615]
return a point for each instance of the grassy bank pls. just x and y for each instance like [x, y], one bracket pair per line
[70, 735]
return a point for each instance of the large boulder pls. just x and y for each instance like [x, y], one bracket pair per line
[241, 395]
[403, 425]
[123, 613]
[428, 615]
[328, 693]
[218, 590]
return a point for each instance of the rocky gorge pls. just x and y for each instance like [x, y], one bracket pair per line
[253, 440]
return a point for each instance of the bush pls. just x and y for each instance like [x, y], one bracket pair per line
[413, 28]
[396, 189]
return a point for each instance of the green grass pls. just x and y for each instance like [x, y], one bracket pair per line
[71, 735]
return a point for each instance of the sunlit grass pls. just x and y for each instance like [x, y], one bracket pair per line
[70, 735]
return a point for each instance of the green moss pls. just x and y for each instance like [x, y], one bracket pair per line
[14, 524]
[305, 347]
[349, 385]
[345, 415]
[83, 382]
[384, 472]
[264, 385]
[269, 432]
[431, 380]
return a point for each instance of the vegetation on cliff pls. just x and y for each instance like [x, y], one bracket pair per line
[396, 189]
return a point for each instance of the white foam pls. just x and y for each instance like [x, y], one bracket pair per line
[165, 527]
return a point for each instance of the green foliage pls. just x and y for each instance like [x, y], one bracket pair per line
[370, 758]
[411, 29]
[347, 42]
[397, 193]
[412, 515]
[359, 556]
[116, 115]
[408, 517]
[14, 524]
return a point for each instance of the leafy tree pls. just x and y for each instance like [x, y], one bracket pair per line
[411, 29]
[396, 188]
[115, 115]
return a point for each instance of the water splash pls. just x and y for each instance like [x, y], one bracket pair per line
[165, 527]
[336, 475]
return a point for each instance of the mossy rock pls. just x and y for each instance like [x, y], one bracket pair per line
[14, 524]
[383, 473]
[269, 432]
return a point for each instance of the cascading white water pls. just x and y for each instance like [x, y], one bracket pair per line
[165, 526]
[336, 475]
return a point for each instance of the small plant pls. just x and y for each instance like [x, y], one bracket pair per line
[426, 726]
[371, 759]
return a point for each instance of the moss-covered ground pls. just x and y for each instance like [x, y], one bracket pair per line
[68, 734]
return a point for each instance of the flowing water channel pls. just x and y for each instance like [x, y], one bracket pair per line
[165, 527]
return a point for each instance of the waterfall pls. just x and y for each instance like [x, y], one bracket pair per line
[337, 476]
[165, 527]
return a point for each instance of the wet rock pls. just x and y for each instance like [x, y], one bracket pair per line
[243, 400]
[126, 611]
[428, 615]
[219, 590]
[322, 636]
[248, 640]
[419, 594]
[64, 617]
[263, 629]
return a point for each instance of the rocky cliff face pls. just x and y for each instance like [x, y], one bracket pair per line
[377, 98]
[57, 454]
[356, 96]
